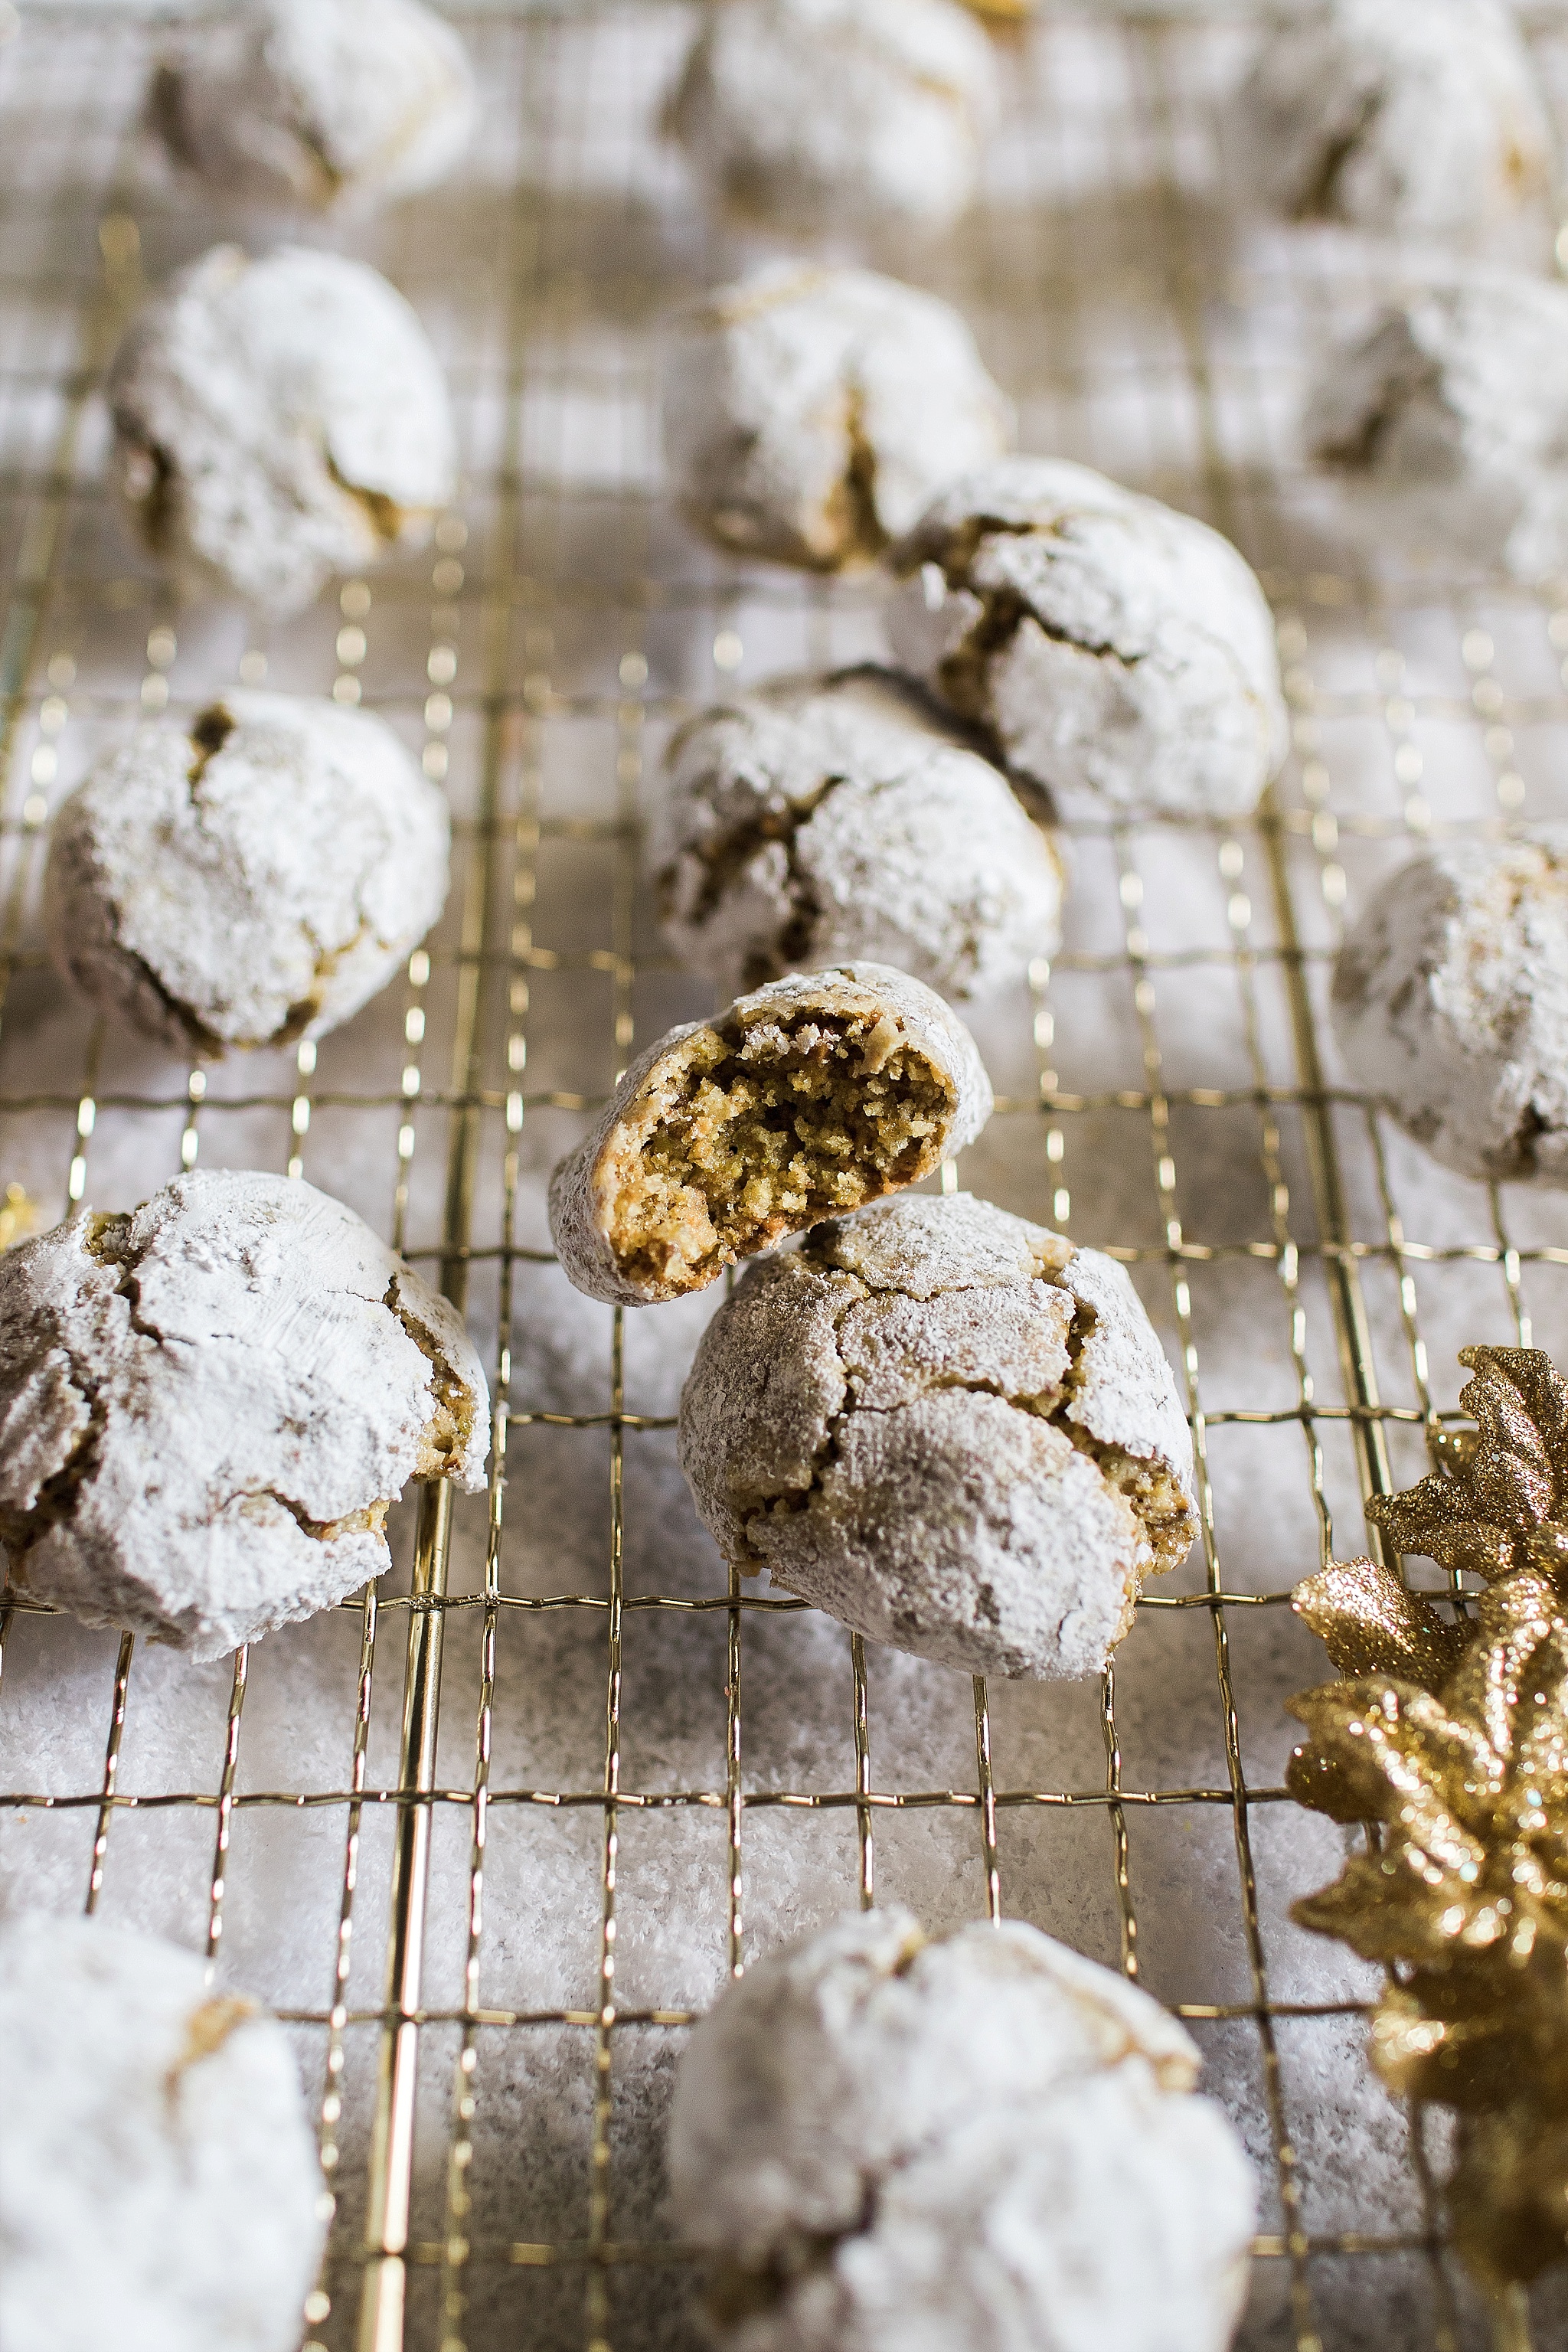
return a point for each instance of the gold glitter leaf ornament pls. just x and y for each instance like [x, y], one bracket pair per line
[1453, 1739]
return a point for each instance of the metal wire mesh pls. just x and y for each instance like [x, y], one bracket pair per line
[1168, 1090]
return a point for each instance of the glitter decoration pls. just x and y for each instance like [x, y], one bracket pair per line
[1450, 1735]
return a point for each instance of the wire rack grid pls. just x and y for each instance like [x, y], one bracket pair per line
[489, 1836]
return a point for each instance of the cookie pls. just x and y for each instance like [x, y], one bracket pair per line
[160, 2185]
[812, 414]
[278, 421]
[207, 1408]
[804, 1100]
[1118, 654]
[820, 821]
[980, 2143]
[253, 879]
[1448, 419]
[1425, 121]
[836, 115]
[334, 106]
[1450, 1002]
[951, 1429]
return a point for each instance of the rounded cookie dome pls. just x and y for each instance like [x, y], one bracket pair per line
[330, 105]
[1119, 655]
[949, 1429]
[824, 820]
[811, 414]
[208, 1406]
[253, 880]
[838, 114]
[278, 421]
[977, 2143]
[1450, 1001]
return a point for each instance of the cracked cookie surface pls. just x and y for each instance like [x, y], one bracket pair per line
[810, 415]
[824, 820]
[160, 2185]
[1448, 419]
[329, 105]
[834, 114]
[951, 1429]
[1450, 1001]
[979, 2144]
[1120, 656]
[805, 1099]
[207, 1408]
[254, 880]
[278, 421]
[1426, 120]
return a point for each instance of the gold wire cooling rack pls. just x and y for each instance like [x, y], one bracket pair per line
[1167, 1090]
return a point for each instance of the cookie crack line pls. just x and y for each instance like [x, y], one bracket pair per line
[103, 1239]
[1319, 200]
[1124, 1473]
[725, 859]
[792, 1499]
[446, 1433]
[368, 1520]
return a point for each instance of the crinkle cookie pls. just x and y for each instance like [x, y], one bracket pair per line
[253, 880]
[1451, 1002]
[1450, 420]
[811, 414]
[1120, 654]
[804, 1100]
[277, 421]
[208, 1407]
[824, 820]
[838, 114]
[335, 105]
[951, 1429]
[160, 2190]
[1424, 119]
[978, 2144]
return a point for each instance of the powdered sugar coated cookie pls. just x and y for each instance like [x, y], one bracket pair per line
[820, 821]
[804, 1100]
[207, 1408]
[159, 2184]
[1121, 655]
[811, 414]
[1449, 416]
[837, 114]
[277, 421]
[981, 2144]
[1426, 120]
[333, 105]
[949, 1429]
[1451, 1001]
[254, 880]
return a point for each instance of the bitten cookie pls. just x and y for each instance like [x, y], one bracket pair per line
[1448, 419]
[254, 880]
[335, 105]
[1451, 1001]
[951, 1429]
[159, 2182]
[979, 2144]
[277, 421]
[1424, 119]
[811, 414]
[1119, 654]
[804, 1100]
[821, 820]
[838, 114]
[208, 1407]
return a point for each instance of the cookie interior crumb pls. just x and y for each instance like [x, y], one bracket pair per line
[750, 1134]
